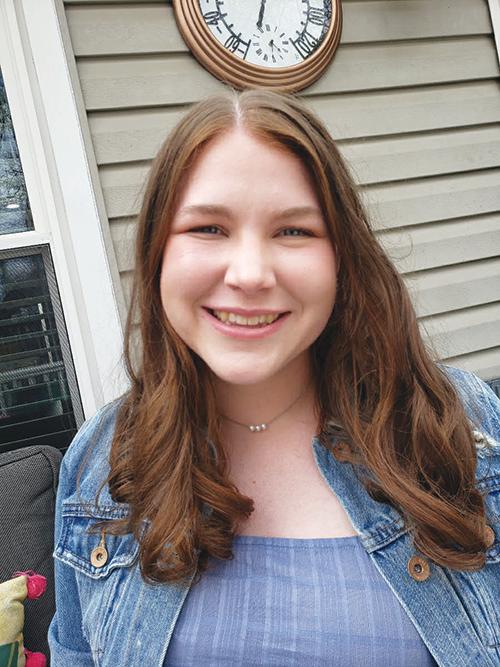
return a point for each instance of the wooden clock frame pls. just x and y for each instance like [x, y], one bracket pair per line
[241, 74]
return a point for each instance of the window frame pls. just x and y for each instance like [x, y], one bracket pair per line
[50, 123]
[494, 7]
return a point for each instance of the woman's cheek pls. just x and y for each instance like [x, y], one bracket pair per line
[318, 273]
[185, 278]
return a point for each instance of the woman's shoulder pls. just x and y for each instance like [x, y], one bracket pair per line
[481, 404]
[85, 464]
[482, 407]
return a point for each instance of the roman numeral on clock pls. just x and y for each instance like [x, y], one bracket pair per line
[234, 43]
[213, 17]
[305, 44]
[316, 15]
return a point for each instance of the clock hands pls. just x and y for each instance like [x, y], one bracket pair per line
[274, 46]
[261, 14]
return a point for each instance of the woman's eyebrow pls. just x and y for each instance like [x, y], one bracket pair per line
[297, 212]
[223, 211]
[206, 209]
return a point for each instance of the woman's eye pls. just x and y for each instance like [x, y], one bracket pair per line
[297, 231]
[202, 229]
[214, 230]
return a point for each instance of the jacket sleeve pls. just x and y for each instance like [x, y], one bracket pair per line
[491, 410]
[67, 643]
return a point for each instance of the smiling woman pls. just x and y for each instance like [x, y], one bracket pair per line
[306, 484]
[249, 267]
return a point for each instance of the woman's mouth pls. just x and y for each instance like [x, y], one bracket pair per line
[237, 326]
[234, 319]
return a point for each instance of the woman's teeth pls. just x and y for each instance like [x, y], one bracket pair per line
[232, 318]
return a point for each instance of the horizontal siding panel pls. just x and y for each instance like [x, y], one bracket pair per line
[354, 115]
[379, 160]
[455, 287]
[128, 136]
[134, 29]
[143, 28]
[464, 331]
[443, 243]
[485, 363]
[161, 80]
[133, 135]
[429, 200]
[122, 187]
[368, 67]
[141, 82]
[383, 20]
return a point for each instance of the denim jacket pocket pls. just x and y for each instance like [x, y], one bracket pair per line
[479, 590]
[77, 542]
[99, 585]
[490, 487]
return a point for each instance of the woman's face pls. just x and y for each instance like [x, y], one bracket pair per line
[232, 245]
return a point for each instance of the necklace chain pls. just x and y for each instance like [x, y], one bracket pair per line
[257, 428]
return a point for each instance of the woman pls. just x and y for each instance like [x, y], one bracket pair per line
[290, 479]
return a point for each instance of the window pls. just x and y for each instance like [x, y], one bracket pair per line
[15, 213]
[38, 387]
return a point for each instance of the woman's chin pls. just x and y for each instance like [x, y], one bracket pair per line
[247, 375]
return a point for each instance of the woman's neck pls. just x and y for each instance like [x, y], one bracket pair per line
[286, 404]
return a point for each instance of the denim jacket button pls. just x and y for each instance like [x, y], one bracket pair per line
[99, 555]
[489, 536]
[419, 568]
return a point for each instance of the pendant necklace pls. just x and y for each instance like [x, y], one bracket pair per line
[257, 428]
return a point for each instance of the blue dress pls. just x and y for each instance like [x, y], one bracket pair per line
[290, 601]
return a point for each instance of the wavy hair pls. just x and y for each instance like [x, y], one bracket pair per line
[379, 393]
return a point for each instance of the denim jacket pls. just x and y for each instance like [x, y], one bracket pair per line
[108, 616]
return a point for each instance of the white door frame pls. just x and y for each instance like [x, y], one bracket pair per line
[494, 6]
[64, 191]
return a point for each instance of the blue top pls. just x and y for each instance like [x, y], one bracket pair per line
[288, 601]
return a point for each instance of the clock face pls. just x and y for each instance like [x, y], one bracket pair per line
[269, 33]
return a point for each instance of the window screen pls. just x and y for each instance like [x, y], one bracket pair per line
[39, 399]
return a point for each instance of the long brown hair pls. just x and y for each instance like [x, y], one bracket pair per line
[378, 390]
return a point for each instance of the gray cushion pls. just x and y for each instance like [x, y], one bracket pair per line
[28, 481]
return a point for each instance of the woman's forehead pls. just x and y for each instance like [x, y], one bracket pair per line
[240, 169]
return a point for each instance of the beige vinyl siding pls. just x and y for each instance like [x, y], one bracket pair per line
[413, 98]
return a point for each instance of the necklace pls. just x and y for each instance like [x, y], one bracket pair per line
[256, 428]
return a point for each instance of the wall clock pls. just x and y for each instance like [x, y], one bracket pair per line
[282, 44]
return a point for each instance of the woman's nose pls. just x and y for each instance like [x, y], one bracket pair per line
[249, 267]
